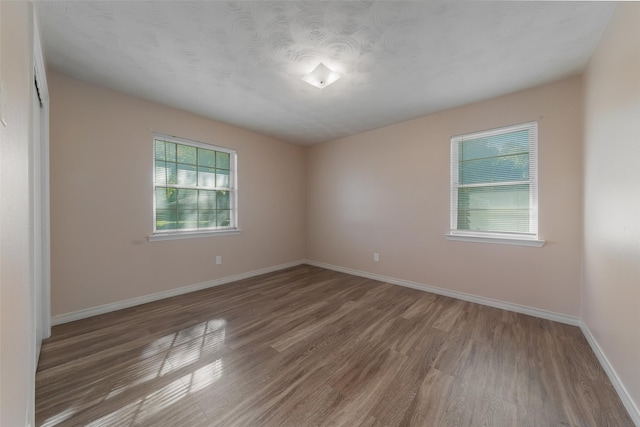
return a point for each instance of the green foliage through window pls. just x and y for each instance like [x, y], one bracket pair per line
[495, 190]
[193, 187]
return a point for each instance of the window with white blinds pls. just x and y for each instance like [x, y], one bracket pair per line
[194, 187]
[494, 183]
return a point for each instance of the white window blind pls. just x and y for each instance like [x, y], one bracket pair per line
[494, 183]
[194, 187]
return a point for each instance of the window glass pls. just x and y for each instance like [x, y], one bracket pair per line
[193, 186]
[494, 181]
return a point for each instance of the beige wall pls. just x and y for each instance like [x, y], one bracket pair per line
[101, 200]
[16, 312]
[611, 294]
[387, 191]
[383, 191]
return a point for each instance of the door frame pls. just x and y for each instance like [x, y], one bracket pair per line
[42, 139]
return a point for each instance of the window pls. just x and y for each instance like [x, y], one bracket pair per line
[194, 188]
[494, 185]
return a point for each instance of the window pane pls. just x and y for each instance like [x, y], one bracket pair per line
[494, 169]
[166, 219]
[206, 219]
[206, 199]
[223, 218]
[206, 177]
[187, 175]
[498, 145]
[172, 173]
[206, 157]
[161, 172]
[187, 218]
[159, 150]
[222, 178]
[185, 181]
[186, 154]
[165, 198]
[187, 199]
[223, 200]
[222, 160]
[495, 208]
[170, 151]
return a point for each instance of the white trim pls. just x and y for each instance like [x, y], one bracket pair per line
[544, 314]
[532, 181]
[536, 312]
[191, 234]
[107, 308]
[625, 397]
[43, 88]
[193, 143]
[39, 233]
[496, 131]
[232, 188]
[495, 239]
[41, 73]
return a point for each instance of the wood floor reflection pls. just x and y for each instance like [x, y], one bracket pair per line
[308, 347]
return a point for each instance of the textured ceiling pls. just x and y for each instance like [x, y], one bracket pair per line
[242, 62]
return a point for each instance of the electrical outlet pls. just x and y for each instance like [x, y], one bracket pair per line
[218, 260]
[376, 256]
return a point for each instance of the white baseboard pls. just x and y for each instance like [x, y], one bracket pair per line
[536, 312]
[107, 308]
[625, 397]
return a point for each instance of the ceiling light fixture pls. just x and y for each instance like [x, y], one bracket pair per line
[321, 76]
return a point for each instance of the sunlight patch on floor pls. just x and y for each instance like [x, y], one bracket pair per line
[144, 407]
[204, 376]
[59, 418]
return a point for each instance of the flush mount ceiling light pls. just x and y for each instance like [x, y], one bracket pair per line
[321, 76]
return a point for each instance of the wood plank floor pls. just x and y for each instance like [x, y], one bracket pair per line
[307, 346]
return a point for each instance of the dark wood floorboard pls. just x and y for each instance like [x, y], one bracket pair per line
[312, 347]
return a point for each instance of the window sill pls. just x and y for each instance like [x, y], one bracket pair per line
[192, 234]
[495, 239]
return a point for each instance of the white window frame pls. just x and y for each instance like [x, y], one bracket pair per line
[233, 192]
[519, 239]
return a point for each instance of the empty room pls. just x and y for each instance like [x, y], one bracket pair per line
[310, 213]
